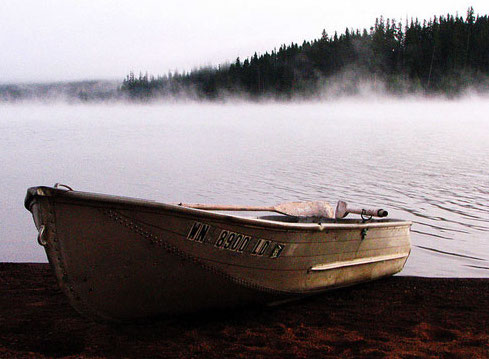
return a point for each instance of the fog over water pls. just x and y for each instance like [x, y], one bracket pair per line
[424, 161]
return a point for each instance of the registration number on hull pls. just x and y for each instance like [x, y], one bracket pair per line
[233, 241]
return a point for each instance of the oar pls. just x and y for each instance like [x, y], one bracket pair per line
[342, 210]
[296, 209]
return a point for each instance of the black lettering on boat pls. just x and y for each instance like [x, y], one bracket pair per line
[264, 247]
[194, 230]
[202, 233]
[198, 232]
[257, 246]
[230, 240]
[277, 250]
[239, 243]
[236, 242]
[221, 239]
[244, 244]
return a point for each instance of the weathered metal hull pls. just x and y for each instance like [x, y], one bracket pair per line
[124, 259]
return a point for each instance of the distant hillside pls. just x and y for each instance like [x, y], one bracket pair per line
[446, 54]
[65, 91]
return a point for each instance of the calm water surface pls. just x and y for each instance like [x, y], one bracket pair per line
[427, 162]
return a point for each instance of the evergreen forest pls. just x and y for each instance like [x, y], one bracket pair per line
[446, 54]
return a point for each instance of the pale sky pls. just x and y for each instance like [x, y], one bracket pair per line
[57, 40]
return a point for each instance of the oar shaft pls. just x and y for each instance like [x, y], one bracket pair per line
[218, 207]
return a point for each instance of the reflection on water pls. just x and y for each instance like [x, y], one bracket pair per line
[427, 162]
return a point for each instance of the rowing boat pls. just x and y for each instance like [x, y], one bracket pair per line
[122, 259]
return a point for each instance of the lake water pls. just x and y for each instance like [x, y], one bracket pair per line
[424, 161]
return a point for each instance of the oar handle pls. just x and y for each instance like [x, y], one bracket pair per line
[218, 207]
[342, 210]
[376, 212]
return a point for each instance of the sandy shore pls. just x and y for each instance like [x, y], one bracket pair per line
[399, 317]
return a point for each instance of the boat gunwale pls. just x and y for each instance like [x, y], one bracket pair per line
[44, 191]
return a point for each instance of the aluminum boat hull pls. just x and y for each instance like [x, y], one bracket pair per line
[122, 259]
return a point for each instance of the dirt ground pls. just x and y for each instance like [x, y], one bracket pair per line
[399, 317]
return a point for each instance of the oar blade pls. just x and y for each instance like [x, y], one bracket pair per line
[306, 209]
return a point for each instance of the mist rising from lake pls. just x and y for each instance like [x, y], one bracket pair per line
[425, 161]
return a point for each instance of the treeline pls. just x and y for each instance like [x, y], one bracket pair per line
[74, 91]
[446, 54]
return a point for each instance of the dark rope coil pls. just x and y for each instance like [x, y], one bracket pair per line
[364, 216]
